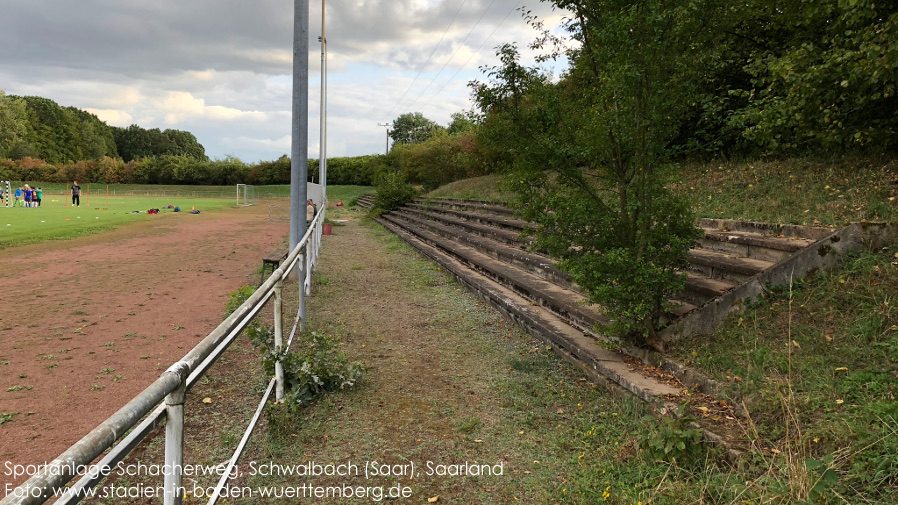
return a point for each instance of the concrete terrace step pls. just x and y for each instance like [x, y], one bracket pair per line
[565, 303]
[540, 265]
[753, 245]
[365, 201]
[491, 241]
[507, 237]
[469, 205]
[717, 265]
[505, 222]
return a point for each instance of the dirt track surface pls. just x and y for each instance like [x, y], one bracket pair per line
[86, 324]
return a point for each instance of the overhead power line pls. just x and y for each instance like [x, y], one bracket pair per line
[453, 54]
[474, 53]
[428, 58]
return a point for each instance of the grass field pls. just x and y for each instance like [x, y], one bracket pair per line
[55, 220]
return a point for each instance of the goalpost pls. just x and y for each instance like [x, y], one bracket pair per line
[4, 188]
[246, 194]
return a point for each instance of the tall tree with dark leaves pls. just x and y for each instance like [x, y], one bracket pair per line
[590, 155]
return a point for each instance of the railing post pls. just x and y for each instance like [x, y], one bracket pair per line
[301, 272]
[174, 437]
[279, 339]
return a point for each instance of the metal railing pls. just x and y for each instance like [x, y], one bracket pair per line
[164, 398]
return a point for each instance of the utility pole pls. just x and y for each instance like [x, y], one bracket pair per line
[322, 151]
[387, 126]
[299, 150]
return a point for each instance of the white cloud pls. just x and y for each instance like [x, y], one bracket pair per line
[112, 117]
[180, 106]
[222, 69]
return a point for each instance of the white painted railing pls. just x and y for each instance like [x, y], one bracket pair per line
[164, 398]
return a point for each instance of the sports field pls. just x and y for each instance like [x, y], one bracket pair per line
[56, 218]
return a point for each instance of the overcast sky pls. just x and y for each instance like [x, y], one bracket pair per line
[222, 69]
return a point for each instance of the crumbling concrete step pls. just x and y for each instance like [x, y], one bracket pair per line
[508, 237]
[698, 291]
[540, 265]
[480, 217]
[605, 366]
[701, 289]
[565, 303]
[753, 245]
[722, 266]
[468, 205]
[365, 201]
[813, 233]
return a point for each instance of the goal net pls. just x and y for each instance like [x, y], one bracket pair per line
[246, 194]
[4, 192]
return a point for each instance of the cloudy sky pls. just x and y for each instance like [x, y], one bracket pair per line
[222, 69]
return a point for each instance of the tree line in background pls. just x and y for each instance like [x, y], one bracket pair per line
[757, 78]
[168, 169]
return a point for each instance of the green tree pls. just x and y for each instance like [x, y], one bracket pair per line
[13, 124]
[590, 156]
[462, 122]
[823, 74]
[411, 128]
[135, 142]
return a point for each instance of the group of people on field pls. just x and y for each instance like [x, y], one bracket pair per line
[25, 196]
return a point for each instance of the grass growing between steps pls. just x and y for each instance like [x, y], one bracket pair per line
[819, 373]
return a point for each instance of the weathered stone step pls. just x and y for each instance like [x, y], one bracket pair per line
[718, 265]
[753, 245]
[566, 303]
[501, 221]
[542, 266]
[698, 291]
[507, 237]
[365, 201]
[701, 289]
[468, 205]
[812, 233]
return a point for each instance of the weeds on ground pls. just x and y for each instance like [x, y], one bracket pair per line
[817, 368]
[6, 417]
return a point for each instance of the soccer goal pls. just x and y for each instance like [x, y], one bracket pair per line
[246, 194]
[4, 192]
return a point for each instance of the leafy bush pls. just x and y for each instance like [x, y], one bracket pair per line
[393, 192]
[316, 366]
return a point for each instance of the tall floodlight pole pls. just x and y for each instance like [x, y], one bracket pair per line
[322, 151]
[387, 126]
[299, 150]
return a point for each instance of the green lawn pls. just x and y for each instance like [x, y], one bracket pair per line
[53, 220]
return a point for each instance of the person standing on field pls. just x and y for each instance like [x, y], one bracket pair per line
[76, 194]
[40, 194]
[18, 201]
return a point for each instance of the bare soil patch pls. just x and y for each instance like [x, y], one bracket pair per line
[86, 324]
